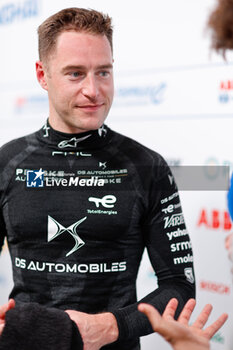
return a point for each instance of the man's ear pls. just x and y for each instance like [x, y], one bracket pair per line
[41, 75]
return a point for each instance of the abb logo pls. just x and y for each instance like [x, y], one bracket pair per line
[226, 85]
[214, 287]
[215, 219]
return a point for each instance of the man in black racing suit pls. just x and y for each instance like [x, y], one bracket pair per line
[80, 202]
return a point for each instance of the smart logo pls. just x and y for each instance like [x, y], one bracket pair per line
[12, 12]
[35, 178]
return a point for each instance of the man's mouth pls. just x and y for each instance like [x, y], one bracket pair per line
[90, 107]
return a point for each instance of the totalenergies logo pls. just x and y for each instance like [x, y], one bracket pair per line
[22, 10]
[214, 219]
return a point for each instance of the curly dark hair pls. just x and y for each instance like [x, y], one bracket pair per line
[220, 24]
[72, 19]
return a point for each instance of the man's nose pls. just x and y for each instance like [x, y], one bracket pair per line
[90, 87]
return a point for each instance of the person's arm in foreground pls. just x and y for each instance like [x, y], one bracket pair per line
[180, 334]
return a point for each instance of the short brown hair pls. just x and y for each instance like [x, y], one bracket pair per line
[72, 19]
[221, 25]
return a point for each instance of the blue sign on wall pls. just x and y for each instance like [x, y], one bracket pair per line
[12, 12]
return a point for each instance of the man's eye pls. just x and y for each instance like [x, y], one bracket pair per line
[104, 73]
[75, 74]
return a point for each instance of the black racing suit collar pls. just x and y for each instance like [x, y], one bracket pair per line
[70, 142]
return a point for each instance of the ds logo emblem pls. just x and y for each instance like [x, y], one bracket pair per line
[107, 201]
[55, 229]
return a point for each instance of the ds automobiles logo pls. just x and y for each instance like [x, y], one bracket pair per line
[55, 229]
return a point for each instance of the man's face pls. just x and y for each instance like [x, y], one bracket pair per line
[79, 80]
